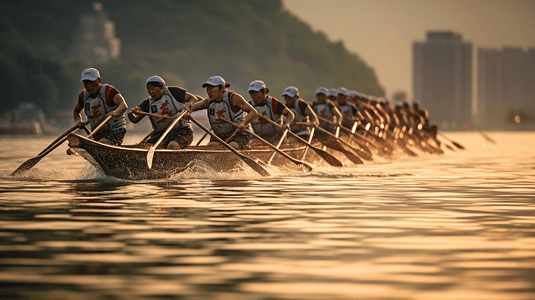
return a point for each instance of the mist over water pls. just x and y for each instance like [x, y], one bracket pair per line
[456, 226]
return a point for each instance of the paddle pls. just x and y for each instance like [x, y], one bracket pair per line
[281, 140]
[202, 138]
[336, 144]
[295, 161]
[486, 136]
[152, 149]
[33, 161]
[451, 141]
[77, 126]
[71, 151]
[352, 133]
[249, 161]
[331, 160]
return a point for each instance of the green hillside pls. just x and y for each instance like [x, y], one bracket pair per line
[183, 41]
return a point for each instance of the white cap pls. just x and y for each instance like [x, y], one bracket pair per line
[156, 78]
[214, 81]
[342, 91]
[353, 94]
[291, 91]
[322, 90]
[256, 86]
[332, 93]
[90, 74]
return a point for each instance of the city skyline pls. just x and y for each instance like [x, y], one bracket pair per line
[382, 32]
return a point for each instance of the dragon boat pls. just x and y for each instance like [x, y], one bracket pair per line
[130, 161]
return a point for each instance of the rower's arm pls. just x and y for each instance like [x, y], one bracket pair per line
[133, 116]
[239, 101]
[290, 116]
[336, 112]
[312, 115]
[203, 104]
[76, 114]
[121, 106]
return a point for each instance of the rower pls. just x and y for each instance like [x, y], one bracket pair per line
[98, 101]
[270, 108]
[347, 109]
[326, 109]
[165, 100]
[223, 103]
[302, 111]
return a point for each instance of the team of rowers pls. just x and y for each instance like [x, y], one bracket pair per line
[362, 121]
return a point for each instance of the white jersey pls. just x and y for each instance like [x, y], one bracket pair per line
[96, 110]
[267, 110]
[222, 109]
[166, 105]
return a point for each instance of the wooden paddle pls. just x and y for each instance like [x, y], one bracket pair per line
[331, 160]
[249, 161]
[352, 133]
[281, 140]
[56, 143]
[295, 161]
[152, 149]
[71, 151]
[451, 141]
[336, 143]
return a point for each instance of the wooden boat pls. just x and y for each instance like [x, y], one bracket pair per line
[130, 161]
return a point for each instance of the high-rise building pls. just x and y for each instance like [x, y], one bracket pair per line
[442, 83]
[95, 39]
[506, 86]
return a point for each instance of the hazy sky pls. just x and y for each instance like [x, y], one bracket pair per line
[382, 32]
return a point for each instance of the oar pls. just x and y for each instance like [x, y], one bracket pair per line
[146, 137]
[451, 141]
[152, 149]
[331, 160]
[281, 140]
[33, 161]
[486, 136]
[78, 126]
[249, 161]
[295, 161]
[71, 151]
[352, 133]
[336, 144]
[202, 138]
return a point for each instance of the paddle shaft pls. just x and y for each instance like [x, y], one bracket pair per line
[70, 130]
[333, 161]
[349, 131]
[152, 149]
[295, 161]
[451, 141]
[249, 161]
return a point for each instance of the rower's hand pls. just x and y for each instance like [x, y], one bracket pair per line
[187, 114]
[283, 127]
[113, 114]
[79, 123]
[241, 127]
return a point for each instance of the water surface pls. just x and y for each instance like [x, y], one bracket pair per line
[457, 226]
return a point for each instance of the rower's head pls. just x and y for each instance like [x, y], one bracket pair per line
[155, 86]
[321, 95]
[341, 96]
[92, 81]
[332, 95]
[258, 92]
[215, 87]
[416, 105]
[353, 96]
[291, 94]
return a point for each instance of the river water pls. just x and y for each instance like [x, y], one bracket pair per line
[456, 226]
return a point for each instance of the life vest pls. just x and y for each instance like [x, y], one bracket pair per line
[267, 110]
[166, 105]
[323, 110]
[96, 109]
[299, 117]
[222, 109]
[347, 114]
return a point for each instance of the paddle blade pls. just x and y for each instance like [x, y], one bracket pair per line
[150, 156]
[457, 145]
[331, 160]
[254, 165]
[27, 165]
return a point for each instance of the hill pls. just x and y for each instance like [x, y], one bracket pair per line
[183, 41]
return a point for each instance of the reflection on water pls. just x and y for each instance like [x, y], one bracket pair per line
[459, 226]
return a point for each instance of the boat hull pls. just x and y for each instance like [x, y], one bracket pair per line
[130, 162]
